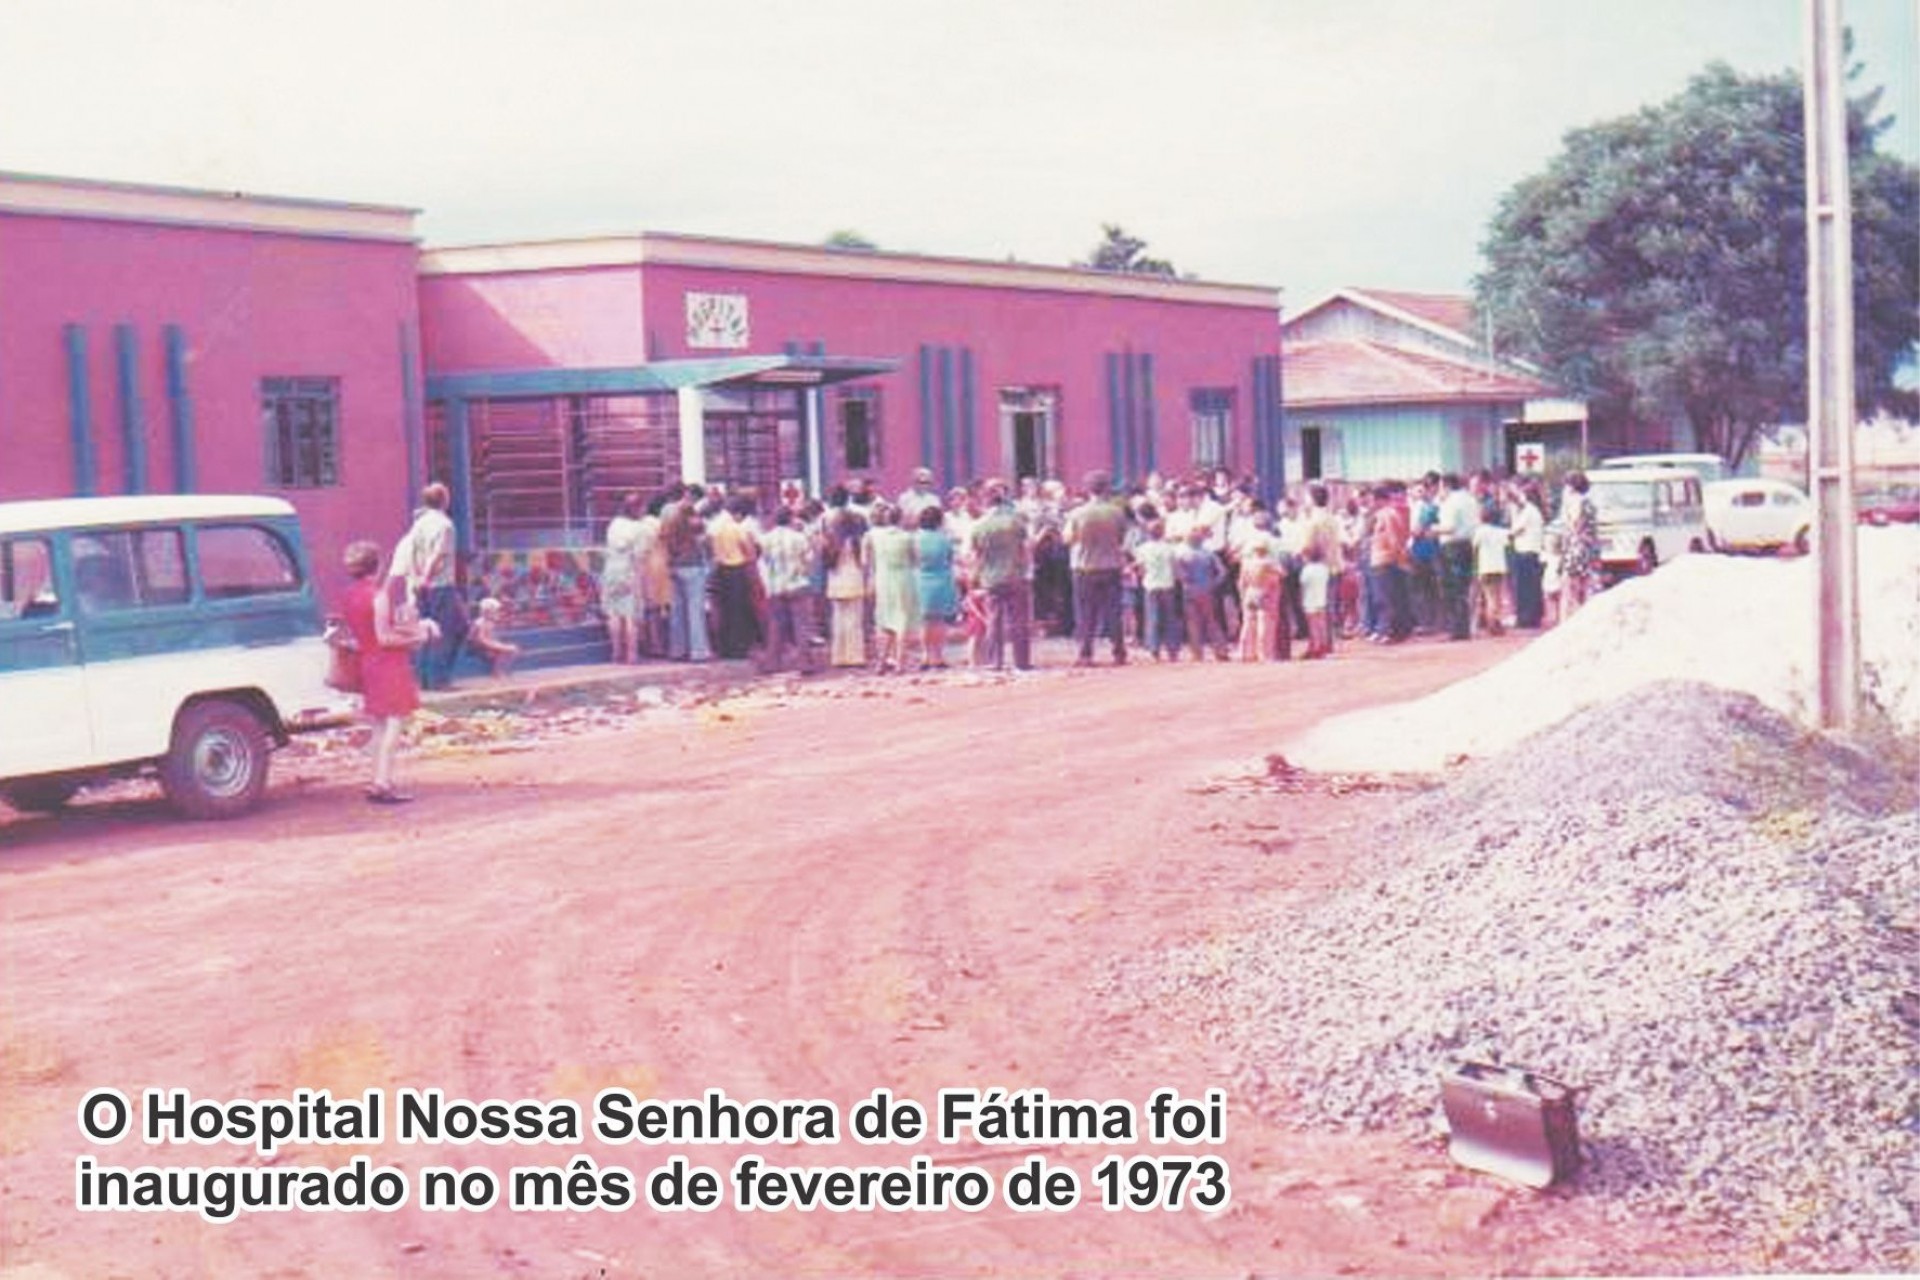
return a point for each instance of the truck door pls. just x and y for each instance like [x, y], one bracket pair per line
[44, 725]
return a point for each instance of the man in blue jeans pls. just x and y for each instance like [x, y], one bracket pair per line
[683, 535]
[1423, 568]
[1096, 538]
[429, 555]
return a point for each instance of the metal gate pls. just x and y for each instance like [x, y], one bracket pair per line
[552, 471]
[753, 451]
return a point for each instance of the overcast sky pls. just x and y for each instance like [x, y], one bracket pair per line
[1298, 143]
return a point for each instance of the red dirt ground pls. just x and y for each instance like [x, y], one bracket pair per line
[913, 885]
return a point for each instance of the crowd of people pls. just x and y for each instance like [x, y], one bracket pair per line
[1198, 566]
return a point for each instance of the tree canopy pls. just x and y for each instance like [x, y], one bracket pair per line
[1118, 251]
[1658, 267]
[846, 239]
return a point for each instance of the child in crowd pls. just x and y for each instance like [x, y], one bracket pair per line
[973, 621]
[1490, 541]
[1260, 580]
[1314, 580]
[484, 638]
[1198, 572]
[1155, 558]
[1131, 622]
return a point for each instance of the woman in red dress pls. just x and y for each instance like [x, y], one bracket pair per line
[387, 634]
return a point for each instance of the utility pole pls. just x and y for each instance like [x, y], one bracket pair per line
[1830, 411]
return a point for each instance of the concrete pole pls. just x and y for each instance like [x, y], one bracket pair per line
[810, 415]
[1830, 410]
[693, 435]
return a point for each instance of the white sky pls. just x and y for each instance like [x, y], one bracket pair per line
[1298, 143]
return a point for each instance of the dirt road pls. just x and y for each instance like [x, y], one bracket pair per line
[914, 885]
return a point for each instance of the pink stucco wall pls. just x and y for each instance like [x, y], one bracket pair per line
[1018, 336]
[251, 305]
[583, 319]
[588, 317]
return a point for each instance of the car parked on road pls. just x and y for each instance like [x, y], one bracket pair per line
[1897, 505]
[1758, 515]
[177, 634]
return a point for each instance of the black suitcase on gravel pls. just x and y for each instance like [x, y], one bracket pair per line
[1511, 1122]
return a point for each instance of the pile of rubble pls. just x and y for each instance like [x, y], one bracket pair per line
[1681, 902]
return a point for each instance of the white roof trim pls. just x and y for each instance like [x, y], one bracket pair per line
[73, 513]
[1553, 409]
[743, 255]
[180, 206]
[1360, 298]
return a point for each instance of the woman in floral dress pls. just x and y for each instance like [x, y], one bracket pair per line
[1580, 568]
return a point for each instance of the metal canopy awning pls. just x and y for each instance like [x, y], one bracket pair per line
[659, 377]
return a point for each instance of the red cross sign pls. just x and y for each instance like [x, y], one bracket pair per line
[1530, 459]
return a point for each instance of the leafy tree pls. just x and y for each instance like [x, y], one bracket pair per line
[1118, 251]
[1658, 267]
[845, 239]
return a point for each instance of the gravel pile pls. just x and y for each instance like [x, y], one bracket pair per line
[1680, 902]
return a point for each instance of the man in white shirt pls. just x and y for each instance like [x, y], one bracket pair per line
[916, 498]
[1184, 516]
[786, 560]
[1459, 517]
[1529, 542]
[428, 557]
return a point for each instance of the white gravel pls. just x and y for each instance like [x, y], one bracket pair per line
[1681, 901]
[1740, 623]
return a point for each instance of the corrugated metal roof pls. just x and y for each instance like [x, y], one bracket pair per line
[1333, 373]
[1448, 310]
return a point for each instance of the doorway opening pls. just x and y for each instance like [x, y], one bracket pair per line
[1028, 430]
[1311, 463]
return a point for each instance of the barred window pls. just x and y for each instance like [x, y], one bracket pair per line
[1212, 409]
[302, 421]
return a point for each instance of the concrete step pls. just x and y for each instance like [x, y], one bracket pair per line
[542, 647]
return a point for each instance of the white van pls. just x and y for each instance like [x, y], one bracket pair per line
[179, 634]
[1647, 516]
[1710, 467]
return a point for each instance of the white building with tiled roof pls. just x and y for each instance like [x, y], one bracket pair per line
[1389, 385]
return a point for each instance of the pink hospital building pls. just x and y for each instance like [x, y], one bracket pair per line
[163, 340]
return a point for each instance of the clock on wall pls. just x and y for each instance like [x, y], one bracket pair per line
[717, 320]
